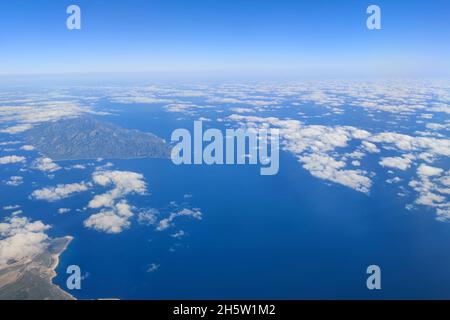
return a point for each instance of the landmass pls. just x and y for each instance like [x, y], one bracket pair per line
[31, 279]
[87, 138]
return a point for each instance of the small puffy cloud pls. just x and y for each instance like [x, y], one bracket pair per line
[394, 180]
[167, 223]
[153, 268]
[123, 209]
[107, 221]
[186, 108]
[124, 181]
[429, 198]
[396, 163]
[425, 170]
[11, 159]
[356, 163]
[46, 165]
[356, 155]
[243, 110]
[59, 192]
[27, 148]
[63, 210]
[178, 235]
[14, 181]
[111, 221]
[78, 167]
[102, 200]
[9, 143]
[21, 239]
[148, 217]
[370, 147]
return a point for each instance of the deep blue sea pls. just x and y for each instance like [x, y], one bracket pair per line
[289, 236]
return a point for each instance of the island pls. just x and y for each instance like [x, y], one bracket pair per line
[86, 138]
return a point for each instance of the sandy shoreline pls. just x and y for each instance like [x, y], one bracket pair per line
[56, 260]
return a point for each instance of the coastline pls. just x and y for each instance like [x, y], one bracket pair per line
[54, 266]
[32, 279]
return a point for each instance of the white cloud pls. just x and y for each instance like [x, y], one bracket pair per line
[243, 110]
[9, 143]
[185, 108]
[46, 165]
[356, 155]
[59, 192]
[13, 207]
[370, 147]
[78, 167]
[327, 168]
[396, 163]
[21, 239]
[425, 170]
[111, 221]
[63, 210]
[116, 217]
[356, 163]
[443, 214]
[102, 200]
[107, 221]
[394, 180]
[139, 99]
[167, 223]
[437, 147]
[14, 181]
[12, 159]
[17, 129]
[124, 181]
[438, 126]
[34, 112]
[148, 217]
[153, 268]
[27, 148]
[178, 235]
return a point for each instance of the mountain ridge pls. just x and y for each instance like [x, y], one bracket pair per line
[86, 138]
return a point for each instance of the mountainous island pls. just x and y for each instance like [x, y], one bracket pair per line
[87, 138]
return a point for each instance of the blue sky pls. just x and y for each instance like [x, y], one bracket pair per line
[234, 36]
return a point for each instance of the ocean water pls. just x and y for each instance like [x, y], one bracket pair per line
[289, 236]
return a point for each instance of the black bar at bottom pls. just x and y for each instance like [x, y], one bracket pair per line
[224, 309]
